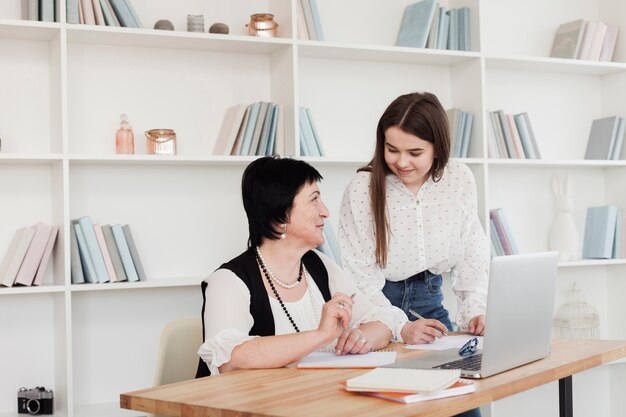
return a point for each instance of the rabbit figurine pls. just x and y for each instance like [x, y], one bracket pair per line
[563, 233]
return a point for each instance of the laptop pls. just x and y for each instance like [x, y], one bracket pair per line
[520, 306]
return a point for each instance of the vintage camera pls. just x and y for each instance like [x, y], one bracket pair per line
[35, 401]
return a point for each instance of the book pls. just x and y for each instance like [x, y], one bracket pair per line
[261, 149]
[515, 137]
[32, 10]
[495, 239]
[317, 22]
[105, 252]
[619, 139]
[302, 30]
[617, 238]
[404, 380]
[46, 11]
[416, 22]
[269, 150]
[134, 253]
[88, 13]
[32, 258]
[460, 387]
[246, 139]
[568, 39]
[76, 269]
[453, 30]
[71, 11]
[597, 41]
[123, 13]
[506, 134]
[454, 121]
[120, 274]
[499, 134]
[279, 142]
[109, 14]
[15, 255]
[133, 12]
[89, 271]
[467, 134]
[122, 247]
[602, 138]
[318, 140]
[442, 30]
[307, 134]
[308, 17]
[434, 28]
[231, 125]
[323, 359]
[466, 31]
[503, 238]
[585, 45]
[608, 47]
[258, 128]
[527, 135]
[45, 258]
[97, 11]
[236, 149]
[599, 232]
[93, 248]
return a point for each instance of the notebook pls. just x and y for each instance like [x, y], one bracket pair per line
[403, 380]
[328, 359]
[461, 387]
[520, 305]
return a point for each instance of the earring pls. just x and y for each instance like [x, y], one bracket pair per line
[283, 235]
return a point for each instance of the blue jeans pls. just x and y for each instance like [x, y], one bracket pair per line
[422, 293]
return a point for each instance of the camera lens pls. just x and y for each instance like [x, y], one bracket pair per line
[33, 407]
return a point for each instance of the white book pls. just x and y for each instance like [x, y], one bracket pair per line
[585, 45]
[88, 12]
[606, 54]
[231, 126]
[597, 41]
[404, 380]
[15, 255]
[45, 258]
[28, 269]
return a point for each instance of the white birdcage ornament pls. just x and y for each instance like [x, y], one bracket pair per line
[576, 319]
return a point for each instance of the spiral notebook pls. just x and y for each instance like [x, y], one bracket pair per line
[404, 380]
[322, 359]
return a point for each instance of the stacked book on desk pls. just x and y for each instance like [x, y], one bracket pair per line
[511, 136]
[460, 132]
[606, 138]
[310, 143]
[502, 241]
[257, 129]
[103, 253]
[26, 260]
[410, 385]
[605, 234]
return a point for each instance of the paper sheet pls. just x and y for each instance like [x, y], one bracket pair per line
[447, 342]
[327, 359]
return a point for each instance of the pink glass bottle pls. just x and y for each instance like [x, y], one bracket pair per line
[124, 137]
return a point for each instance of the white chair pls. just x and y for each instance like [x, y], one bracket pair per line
[178, 351]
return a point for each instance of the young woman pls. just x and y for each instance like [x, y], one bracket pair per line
[410, 215]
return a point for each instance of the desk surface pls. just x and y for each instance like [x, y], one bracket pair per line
[292, 392]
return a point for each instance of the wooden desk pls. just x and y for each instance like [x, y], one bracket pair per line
[292, 392]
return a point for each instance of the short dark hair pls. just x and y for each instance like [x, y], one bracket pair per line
[268, 187]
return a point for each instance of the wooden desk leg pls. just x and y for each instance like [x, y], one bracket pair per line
[566, 408]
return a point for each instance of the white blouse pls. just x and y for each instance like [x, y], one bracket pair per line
[227, 318]
[437, 230]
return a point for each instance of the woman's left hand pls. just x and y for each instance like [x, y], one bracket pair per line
[352, 341]
[477, 325]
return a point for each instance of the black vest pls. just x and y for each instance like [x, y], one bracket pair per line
[246, 268]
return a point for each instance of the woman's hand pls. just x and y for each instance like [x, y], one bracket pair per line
[352, 341]
[336, 316]
[423, 331]
[476, 325]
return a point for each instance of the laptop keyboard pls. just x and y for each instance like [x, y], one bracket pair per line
[470, 363]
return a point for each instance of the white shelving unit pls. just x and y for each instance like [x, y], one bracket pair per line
[64, 87]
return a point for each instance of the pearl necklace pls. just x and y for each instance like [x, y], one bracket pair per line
[280, 282]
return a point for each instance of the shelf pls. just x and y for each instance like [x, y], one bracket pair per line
[149, 38]
[581, 163]
[42, 289]
[211, 160]
[154, 283]
[592, 262]
[556, 65]
[327, 50]
[28, 30]
[9, 158]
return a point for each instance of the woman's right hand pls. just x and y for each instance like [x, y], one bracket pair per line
[423, 331]
[336, 316]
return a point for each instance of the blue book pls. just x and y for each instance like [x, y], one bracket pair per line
[317, 22]
[272, 139]
[94, 249]
[416, 22]
[258, 127]
[458, 134]
[246, 141]
[318, 140]
[261, 149]
[466, 33]
[311, 146]
[495, 240]
[123, 14]
[617, 240]
[619, 139]
[467, 134]
[524, 136]
[124, 250]
[304, 150]
[442, 32]
[453, 30]
[131, 9]
[599, 232]
[89, 272]
[508, 140]
[71, 11]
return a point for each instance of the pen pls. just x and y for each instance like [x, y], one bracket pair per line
[415, 314]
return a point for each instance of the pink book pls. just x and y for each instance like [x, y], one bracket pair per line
[88, 12]
[517, 142]
[493, 214]
[105, 252]
[26, 274]
[14, 255]
[45, 259]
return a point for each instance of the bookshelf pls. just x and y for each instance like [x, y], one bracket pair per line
[68, 84]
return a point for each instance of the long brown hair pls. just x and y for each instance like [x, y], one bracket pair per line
[419, 114]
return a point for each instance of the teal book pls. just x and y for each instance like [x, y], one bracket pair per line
[246, 140]
[76, 268]
[453, 30]
[524, 137]
[94, 248]
[261, 150]
[318, 139]
[134, 254]
[272, 137]
[309, 137]
[258, 128]
[416, 22]
[123, 13]
[442, 30]
[71, 11]
[599, 232]
[127, 258]
[466, 32]
[131, 9]
[85, 258]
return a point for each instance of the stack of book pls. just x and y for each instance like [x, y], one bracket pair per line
[427, 25]
[103, 12]
[605, 237]
[511, 136]
[582, 39]
[26, 261]
[310, 143]
[39, 10]
[309, 23]
[606, 138]
[460, 132]
[103, 253]
[330, 247]
[257, 129]
[502, 241]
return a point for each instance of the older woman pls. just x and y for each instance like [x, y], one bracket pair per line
[281, 300]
